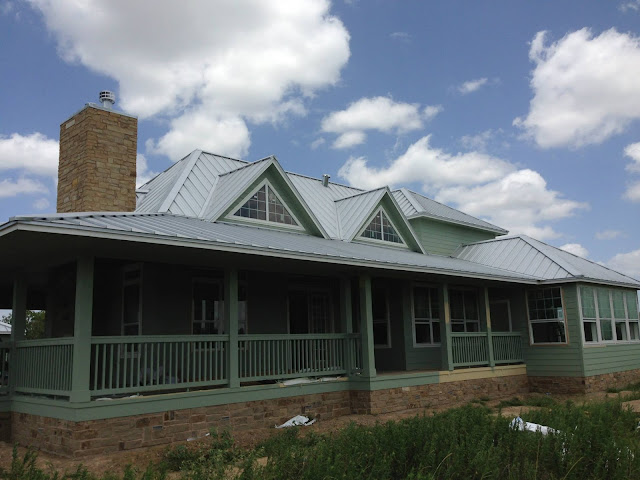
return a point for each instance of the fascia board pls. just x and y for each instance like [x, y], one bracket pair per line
[223, 246]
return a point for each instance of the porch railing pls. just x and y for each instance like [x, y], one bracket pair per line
[507, 347]
[5, 354]
[150, 363]
[43, 366]
[263, 357]
[472, 349]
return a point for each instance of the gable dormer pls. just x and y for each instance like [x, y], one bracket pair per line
[374, 217]
[261, 194]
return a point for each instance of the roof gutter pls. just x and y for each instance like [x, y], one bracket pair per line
[89, 232]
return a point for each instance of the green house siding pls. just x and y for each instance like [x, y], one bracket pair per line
[609, 358]
[444, 238]
[557, 360]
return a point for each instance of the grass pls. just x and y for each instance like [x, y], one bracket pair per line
[593, 441]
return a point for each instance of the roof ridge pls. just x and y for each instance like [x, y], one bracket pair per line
[224, 156]
[320, 180]
[249, 164]
[363, 193]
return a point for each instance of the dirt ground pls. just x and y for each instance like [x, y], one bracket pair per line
[140, 458]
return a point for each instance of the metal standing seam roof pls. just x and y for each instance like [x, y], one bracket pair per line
[188, 231]
[528, 256]
[414, 204]
[354, 210]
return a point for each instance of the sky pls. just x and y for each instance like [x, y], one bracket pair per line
[525, 114]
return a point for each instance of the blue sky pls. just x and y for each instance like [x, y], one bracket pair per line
[525, 114]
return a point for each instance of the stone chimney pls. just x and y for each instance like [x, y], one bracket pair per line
[97, 169]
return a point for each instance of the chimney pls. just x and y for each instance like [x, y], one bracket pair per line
[97, 169]
[325, 180]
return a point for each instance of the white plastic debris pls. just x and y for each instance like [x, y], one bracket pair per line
[519, 424]
[298, 420]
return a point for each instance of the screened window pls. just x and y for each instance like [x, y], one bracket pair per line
[464, 311]
[208, 307]
[546, 315]
[426, 315]
[310, 311]
[132, 300]
[265, 205]
[380, 310]
[382, 229]
[609, 315]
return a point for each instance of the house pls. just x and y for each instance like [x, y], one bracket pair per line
[233, 294]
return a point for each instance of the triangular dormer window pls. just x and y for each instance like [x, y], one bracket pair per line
[380, 228]
[264, 205]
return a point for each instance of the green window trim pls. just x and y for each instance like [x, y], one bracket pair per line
[465, 310]
[380, 229]
[546, 315]
[608, 316]
[425, 315]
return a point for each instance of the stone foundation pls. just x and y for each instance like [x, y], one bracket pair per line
[595, 383]
[5, 426]
[437, 394]
[599, 383]
[78, 439]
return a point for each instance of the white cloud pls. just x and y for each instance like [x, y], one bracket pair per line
[576, 249]
[472, 85]
[608, 234]
[632, 5]
[228, 62]
[377, 113]
[480, 140]
[627, 263]
[476, 183]
[33, 153]
[22, 186]
[143, 174]
[317, 143]
[432, 167]
[41, 204]
[633, 152]
[633, 192]
[585, 88]
[402, 36]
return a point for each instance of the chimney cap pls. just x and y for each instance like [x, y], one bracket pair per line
[107, 98]
[325, 180]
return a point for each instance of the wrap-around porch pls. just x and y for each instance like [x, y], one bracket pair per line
[343, 338]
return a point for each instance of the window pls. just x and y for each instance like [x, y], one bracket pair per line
[131, 300]
[426, 316]
[380, 311]
[381, 228]
[546, 316]
[500, 311]
[310, 311]
[609, 315]
[464, 311]
[264, 205]
[208, 307]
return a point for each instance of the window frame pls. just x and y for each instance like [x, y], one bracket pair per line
[547, 320]
[126, 283]
[464, 321]
[387, 243]
[430, 321]
[210, 281]
[387, 320]
[233, 216]
[627, 320]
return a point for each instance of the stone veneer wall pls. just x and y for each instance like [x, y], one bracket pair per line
[97, 169]
[5, 426]
[436, 394]
[595, 383]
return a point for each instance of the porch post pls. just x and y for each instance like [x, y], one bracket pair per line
[231, 313]
[366, 327]
[19, 312]
[487, 316]
[346, 322]
[447, 342]
[18, 324]
[83, 319]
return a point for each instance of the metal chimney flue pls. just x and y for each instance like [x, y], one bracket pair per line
[107, 99]
[325, 180]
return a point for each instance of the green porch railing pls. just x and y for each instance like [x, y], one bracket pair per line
[507, 347]
[135, 364]
[5, 354]
[264, 357]
[470, 349]
[43, 367]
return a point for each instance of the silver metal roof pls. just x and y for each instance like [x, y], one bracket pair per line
[353, 211]
[188, 231]
[414, 204]
[528, 256]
